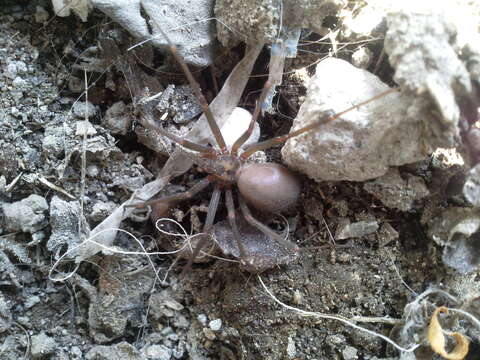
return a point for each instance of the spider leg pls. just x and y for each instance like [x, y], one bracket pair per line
[244, 137]
[207, 227]
[146, 119]
[198, 93]
[324, 120]
[264, 228]
[233, 224]
[194, 190]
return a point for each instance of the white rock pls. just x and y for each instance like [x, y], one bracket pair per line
[362, 58]
[81, 8]
[19, 82]
[202, 318]
[82, 109]
[236, 125]
[159, 352]
[27, 215]
[355, 230]
[195, 41]
[362, 143]
[11, 70]
[21, 67]
[350, 353]
[117, 118]
[471, 189]
[84, 126]
[42, 345]
[216, 324]
[291, 348]
[415, 33]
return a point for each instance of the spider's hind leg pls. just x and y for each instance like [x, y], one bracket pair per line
[264, 228]
[233, 224]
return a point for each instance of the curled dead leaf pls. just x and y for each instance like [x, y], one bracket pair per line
[436, 338]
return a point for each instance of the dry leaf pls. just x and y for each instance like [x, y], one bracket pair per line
[437, 339]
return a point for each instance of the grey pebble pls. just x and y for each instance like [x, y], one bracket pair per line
[42, 345]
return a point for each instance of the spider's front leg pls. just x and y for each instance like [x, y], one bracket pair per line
[207, 227]
[194, 190]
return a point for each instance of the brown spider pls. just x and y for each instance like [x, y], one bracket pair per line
[268, 187]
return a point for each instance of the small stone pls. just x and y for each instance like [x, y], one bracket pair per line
[457, 230]
[82, 109]
[179, 351]
[117, 118]
[5, 315]
[354, 230]
[76, 352]
[42, 345]
[32, 301]
[121, 350]
[93, 170]
[362, 58]
[53, 143]
[386, 234]
[173, 337]
[349, 353]
[14, 111]
[209, 334]
[202, 318]
[21, 67]
[27, 215]
[166, 331]
[291, 348]
[101, 210]
[297, 297]
[76, 85]
[359, 145]
[19, 82]
[172, 304]
[11, 70]
[64, 223]
[215, 325]
[158, 352]
[398, 192]
[167, 312]
[471, 188]
[335, 339]
[82, 126]
[181, 321]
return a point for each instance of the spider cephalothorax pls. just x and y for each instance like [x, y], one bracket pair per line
[222, 167]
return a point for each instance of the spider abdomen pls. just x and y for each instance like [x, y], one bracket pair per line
[268, 187]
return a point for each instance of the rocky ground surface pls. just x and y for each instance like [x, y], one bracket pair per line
[373, 235]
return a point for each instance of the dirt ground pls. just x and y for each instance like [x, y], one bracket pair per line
[114, 307]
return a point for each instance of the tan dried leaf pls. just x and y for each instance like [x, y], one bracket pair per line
[437, 341]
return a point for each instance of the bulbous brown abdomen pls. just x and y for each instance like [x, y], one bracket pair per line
[268, 187]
